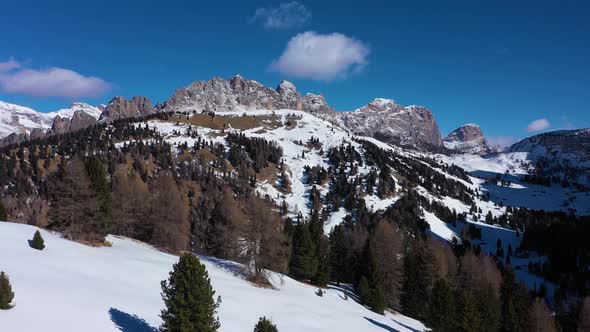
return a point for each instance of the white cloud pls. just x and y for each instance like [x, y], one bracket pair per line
[9, 65]
[538, 125]
[321, 57]
[51, 82]
[501, 141]
[286, 15]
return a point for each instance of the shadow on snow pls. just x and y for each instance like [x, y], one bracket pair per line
[129, 323]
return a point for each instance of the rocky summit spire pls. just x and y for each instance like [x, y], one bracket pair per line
[468, 139]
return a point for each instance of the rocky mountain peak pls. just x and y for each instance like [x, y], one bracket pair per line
[119, 108]
[381, 105]
[468, 138]
[235, 93]
[391, 122]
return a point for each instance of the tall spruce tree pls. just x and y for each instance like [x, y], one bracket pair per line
[6, 293]
[375, 297]
[516, 304]
[418, 275]
[189, 298]
[442, 314]
[3, 212]
[303, 264]
[469, 317]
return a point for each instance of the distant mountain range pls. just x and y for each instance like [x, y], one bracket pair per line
[409, 126]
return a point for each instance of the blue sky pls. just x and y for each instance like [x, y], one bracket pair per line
[501, 64]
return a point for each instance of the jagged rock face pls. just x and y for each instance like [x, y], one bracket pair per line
[60, 126]
[220, 95]
[120, 108]
[36, 134]
[390, 122]
[14, 138]
[290, 98]
[81, 120]
[468, 139]
[316, 104]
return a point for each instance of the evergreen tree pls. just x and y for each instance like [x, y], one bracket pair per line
[98, 177]
[489, 307]
[188, 297]
[442, 307]
[3, 212]
[469, 319]
[516, 304]
[6, 294]
[265, 325]
[584, 316]
[418, 275]
[38, 242]
[375, 298]
[364, 290]
[303, 263]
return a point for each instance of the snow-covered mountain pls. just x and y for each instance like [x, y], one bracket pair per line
[390, 122]
[72, 287]
[383, 118]
[468, 139]
[16, 119]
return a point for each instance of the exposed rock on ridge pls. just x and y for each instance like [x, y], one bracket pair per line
[468, 139]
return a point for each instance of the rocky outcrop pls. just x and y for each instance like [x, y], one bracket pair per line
[468, 139]
[36, 134]
[386, 120]
[60, 126]
[316, 104]
[238, 93]
[121, 108]
[81, 120]
[14, 138]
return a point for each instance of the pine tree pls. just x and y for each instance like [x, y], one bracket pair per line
[303, 263]
[3, 213]
[38, 242]
[584, 316]
[418, 275]
[442, 307]
[6, 293]
[188, 297]
[265, 325]
[376, 297]
[516, 304]
[469, 319]
[364, 290]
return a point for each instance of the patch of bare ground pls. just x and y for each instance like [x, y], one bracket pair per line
[219, 122]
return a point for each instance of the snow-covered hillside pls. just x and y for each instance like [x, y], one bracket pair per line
[19, 119]
[73, 287]
[512, 166]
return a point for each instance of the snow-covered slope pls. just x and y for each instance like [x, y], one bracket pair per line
[73, 287]
[22, 120]
[512, 166]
